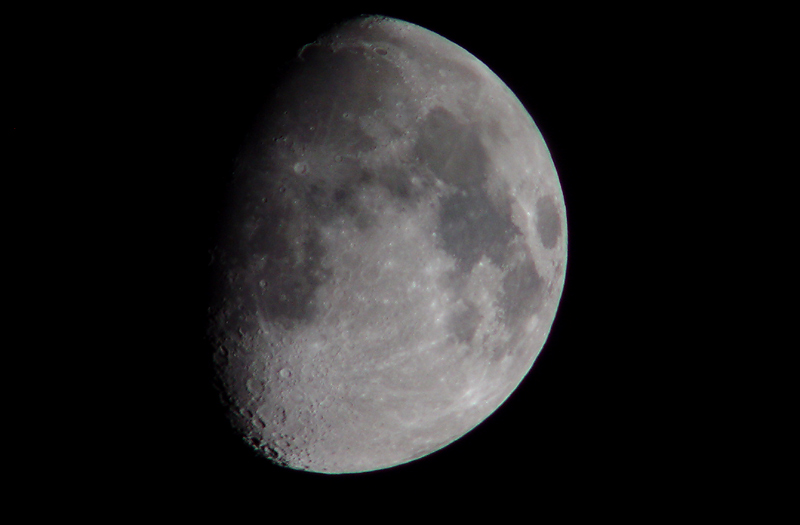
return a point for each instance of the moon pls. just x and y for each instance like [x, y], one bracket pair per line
[392, 256]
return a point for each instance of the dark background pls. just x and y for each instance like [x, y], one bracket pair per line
[137, 117]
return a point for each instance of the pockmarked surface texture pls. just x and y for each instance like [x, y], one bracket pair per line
[393, 256]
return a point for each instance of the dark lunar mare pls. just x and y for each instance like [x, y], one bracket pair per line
[472, 225]
[277, 251]
[272, 244]
[548, 222]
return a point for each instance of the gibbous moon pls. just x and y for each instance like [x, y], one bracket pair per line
[393, 253]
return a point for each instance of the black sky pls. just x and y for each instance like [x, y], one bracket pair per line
[150, 105]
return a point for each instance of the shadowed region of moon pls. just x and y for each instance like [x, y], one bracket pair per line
[392, 257]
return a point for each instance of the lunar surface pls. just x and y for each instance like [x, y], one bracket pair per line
[393, 255]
